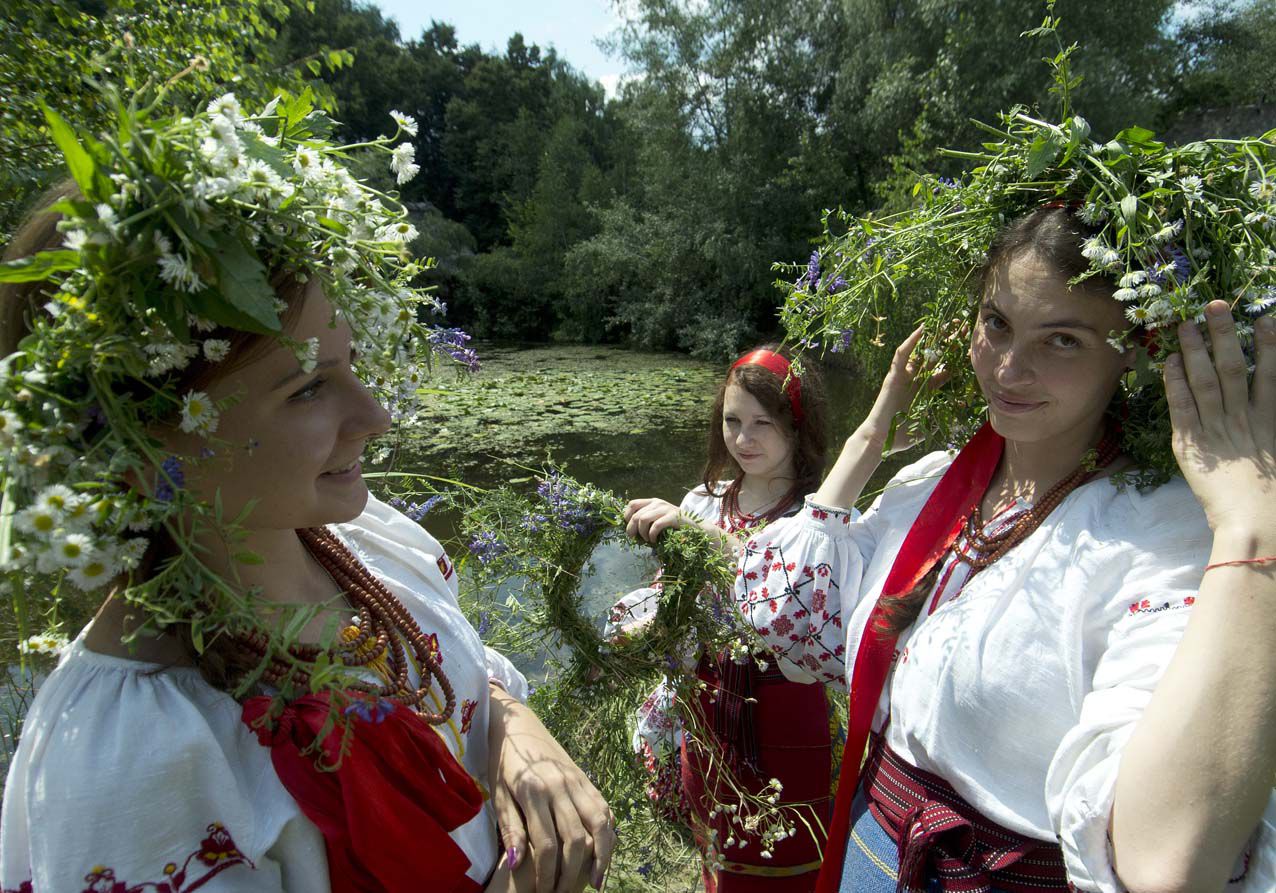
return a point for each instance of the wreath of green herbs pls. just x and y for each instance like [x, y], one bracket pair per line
[1175, 228]
[166, 252]
[528, 557]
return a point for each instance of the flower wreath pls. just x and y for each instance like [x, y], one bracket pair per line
[170, 242]
[1174, 227]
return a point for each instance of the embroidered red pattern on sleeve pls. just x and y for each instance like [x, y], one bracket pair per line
[217, 853]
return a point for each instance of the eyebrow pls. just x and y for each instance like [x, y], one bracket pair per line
[293, 376]
[1052, 323]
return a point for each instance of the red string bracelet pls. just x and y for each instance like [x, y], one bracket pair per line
[1239, 561]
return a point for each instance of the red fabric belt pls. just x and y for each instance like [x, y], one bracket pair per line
[940, 834]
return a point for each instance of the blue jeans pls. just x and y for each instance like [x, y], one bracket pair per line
[872, 858]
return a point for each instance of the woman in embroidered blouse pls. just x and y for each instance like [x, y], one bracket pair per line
[133, 770]
[1088, 707]
[768, 427]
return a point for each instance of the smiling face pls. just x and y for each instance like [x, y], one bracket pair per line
[1039, 351]
[292, 441]
[755, 439]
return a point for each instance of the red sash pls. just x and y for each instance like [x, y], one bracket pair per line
[932, 534]
[386, 811]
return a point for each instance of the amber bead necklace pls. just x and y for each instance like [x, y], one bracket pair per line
[384, 625]
[984, 549]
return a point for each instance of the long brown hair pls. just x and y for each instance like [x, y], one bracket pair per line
[809, 434]
[1054, 234]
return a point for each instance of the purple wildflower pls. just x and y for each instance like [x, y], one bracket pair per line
[1175, 259]
[644, 869]
[812, 277]
[451, 343]
[373, 710]
[486, 547]
[416, 511]
[843, 341]
[173, 477]
[485, 623]
[565, 506]
[398, 502]
[835, 286]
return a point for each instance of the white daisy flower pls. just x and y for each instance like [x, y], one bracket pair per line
[132, 551]
[1169, 231]
[10, 425]
[216, 349]
[406, 122]
[1137, 314]
[71, 549]
[1133, 279]
[199, 415]
[199, 324]
[1092, 214]
[43, 643]
[307, 163]
[37, 520]
[1116, 344]
[76, 239]
[1149, 290]
[97, 569]
[165, 356]
[1262, 189]
[399, 231]
[57, 497]
[1192, 187]
[1125, 294]
[402, 162]
[226, 106]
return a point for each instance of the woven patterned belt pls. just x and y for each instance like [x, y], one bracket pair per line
[938, 832]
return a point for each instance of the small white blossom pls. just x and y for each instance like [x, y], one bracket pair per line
[199, 324]
[216, 349]
[226, 106]
[176, 270]
[307, 163]
[406, 122]
[1117, 344]
[402, 162]
[1149, 290]
[37, 520]
[399, 231]
[42, 643]
[71, 549]
[99, 568]
[1137, 314]
[1169, 231]
[199, 415]
[132, 551]
[76, 239]
[1133, 279]
[1262, 189]
[106, 217]
[1125, 294]
[1192, 188]
[166, 356]
[308, 355]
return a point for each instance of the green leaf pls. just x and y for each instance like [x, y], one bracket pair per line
[241, 280]
[78, 161]
[1043, 152]
[40, 266]
[249, 558]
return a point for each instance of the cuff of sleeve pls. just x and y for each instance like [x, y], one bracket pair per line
[831, 521]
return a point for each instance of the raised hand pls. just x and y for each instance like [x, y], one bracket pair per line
[1224, 429]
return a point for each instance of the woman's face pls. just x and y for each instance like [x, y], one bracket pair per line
[292, 441]
[755, 439]
[1039, 351]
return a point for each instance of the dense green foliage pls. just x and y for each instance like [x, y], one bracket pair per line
[650, 218]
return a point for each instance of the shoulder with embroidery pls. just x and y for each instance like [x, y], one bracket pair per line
[108, 737]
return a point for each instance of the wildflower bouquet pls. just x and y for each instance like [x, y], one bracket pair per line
[1174, 228]
[171, 238]
[535, 548]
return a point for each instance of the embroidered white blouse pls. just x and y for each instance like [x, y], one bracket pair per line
[136, 773]
[1021, 687]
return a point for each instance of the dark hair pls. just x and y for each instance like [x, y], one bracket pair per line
[1055, 234]
[810, 435]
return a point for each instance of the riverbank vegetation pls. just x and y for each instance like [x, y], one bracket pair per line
[650, 218]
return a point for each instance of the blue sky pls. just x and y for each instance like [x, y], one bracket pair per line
[571, 26]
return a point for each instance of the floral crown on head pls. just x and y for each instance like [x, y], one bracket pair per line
[179, 228]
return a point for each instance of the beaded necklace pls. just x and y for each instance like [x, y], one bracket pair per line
[383, 626]
[736, 520]
[982, 550]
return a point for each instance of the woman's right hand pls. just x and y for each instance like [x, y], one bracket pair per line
[646, 518]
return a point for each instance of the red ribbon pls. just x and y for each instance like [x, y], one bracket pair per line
[932, 534]
[386, 810]
[777, 365]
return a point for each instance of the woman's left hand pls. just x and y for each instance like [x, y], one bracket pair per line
[1224, 430]
[543, 800]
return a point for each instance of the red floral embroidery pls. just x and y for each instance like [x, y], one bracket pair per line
[217, 852]
[1190, 600]
[782, 626]
[467, 715]
[433, 639]
[819, 514]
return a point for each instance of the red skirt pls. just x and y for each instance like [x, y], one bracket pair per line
[788, 735]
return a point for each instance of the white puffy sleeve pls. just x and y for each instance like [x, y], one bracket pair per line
[801, 576]
[135, 775]
[1155, 555]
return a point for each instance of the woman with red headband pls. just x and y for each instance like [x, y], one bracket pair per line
[767, 438]
[1051, 693]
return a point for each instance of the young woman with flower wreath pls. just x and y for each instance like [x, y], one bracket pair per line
[280, 691]
[1053, 693]
[776, 737]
